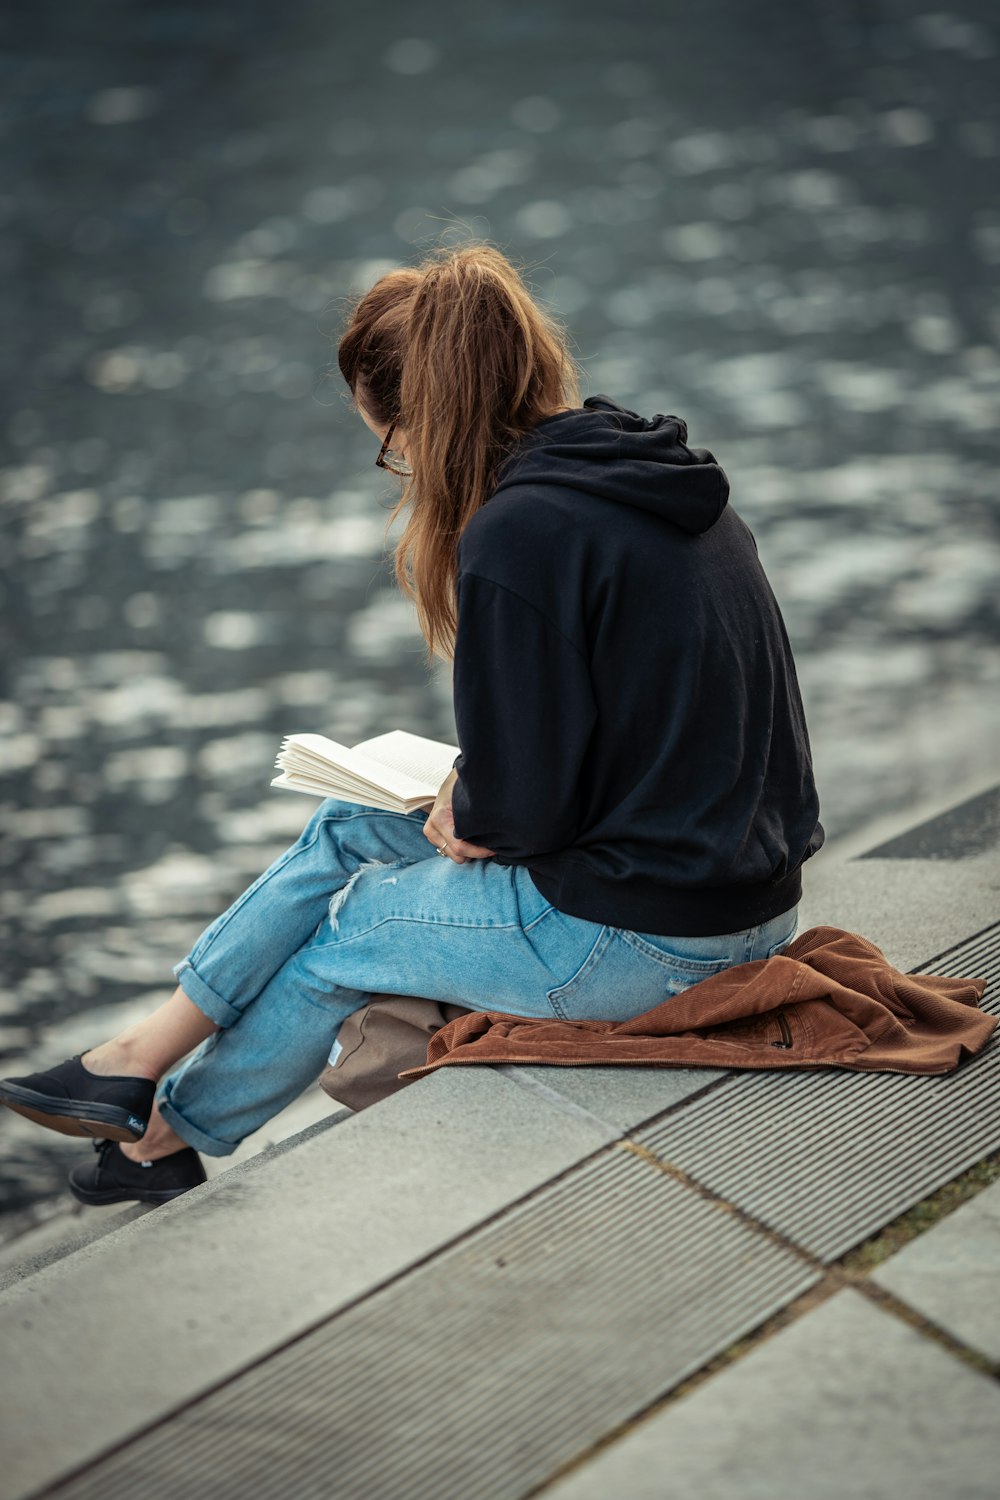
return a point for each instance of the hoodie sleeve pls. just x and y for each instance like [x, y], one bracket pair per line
[525, 711]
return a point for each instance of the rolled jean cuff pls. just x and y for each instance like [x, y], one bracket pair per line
[206, 1144]
[208, 1002]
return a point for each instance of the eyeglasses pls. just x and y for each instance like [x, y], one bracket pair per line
[394, 462]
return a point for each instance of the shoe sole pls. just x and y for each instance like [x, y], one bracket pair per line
[106, 1122]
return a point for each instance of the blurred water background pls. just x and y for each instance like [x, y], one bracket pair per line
[779, 221]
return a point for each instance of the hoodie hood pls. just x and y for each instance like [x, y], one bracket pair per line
[609, 451]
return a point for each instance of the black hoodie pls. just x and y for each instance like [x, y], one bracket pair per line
[625, 697]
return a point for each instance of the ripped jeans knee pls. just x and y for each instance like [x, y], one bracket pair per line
[339, 897]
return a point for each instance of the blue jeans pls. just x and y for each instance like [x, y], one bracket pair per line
[361, 904]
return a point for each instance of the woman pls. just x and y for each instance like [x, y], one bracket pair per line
[634, 797]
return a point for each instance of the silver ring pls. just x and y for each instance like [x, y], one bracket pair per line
[443, 850]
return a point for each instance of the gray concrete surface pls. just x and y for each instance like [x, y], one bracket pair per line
[182, 1298]
[951, 1274]
[912, 909]
[623, 1097]
[847, 1402]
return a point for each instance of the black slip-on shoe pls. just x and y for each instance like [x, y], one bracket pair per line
[74, 1101]
[113, 1178]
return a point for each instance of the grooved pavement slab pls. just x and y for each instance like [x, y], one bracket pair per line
[159, 1310]
[951, 1274]
[847, 1402]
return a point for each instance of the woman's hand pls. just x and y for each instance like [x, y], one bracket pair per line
[440, 828]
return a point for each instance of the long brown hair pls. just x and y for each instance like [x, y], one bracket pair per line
[461, 357]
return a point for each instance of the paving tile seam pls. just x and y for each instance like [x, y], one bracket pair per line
[516, 1073]
[965, 1192]
[718, 1201]
[890, 1302]
[861, 1230]
[518, 1077]
[831, 1247]
[834, 1279]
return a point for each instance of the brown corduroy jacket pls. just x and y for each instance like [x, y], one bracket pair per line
[831, 1000]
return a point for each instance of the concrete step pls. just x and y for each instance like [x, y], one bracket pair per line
[68, 1226]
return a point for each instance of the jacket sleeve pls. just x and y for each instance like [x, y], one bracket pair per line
[525, 712]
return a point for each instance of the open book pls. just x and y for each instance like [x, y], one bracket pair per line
[397, 771]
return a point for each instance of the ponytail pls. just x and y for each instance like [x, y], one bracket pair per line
[461, 357]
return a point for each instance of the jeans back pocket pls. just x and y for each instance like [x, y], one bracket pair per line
[620, 978]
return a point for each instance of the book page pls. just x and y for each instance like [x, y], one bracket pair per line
[426, 762]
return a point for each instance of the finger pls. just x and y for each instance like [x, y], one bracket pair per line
[438, 836]
[459, 852]
[439, 830]
[471, 851]
[435, 833]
